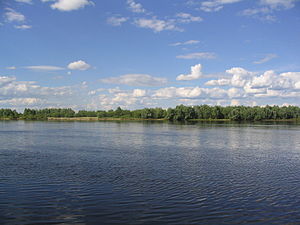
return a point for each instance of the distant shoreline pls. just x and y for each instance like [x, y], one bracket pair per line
[95, 119]
[179, 113]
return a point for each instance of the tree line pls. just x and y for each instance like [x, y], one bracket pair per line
[179, 113]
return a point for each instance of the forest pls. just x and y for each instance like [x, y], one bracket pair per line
[179, 113]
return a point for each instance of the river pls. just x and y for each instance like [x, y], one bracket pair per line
[149, 173]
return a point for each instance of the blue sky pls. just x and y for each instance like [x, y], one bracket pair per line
[139, 53]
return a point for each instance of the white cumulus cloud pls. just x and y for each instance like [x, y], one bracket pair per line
[135, 7]
[219, 82]
[79, 65]
[264, 80]
[181, 92]
[240, 76]
[295, 76]
[272, 81]
[69, 5]
[245, 84]
[196, 73]
[139, 93]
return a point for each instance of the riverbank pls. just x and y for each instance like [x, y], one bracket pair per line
[94, 119]
[179, 113]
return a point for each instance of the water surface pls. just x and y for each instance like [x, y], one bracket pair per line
[149, 173]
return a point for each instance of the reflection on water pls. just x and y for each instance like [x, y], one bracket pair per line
[145, 173]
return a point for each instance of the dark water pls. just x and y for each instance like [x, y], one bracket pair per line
[149, 173]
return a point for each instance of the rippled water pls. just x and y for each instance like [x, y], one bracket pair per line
[149, 173]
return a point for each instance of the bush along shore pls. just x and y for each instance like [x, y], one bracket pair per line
[179, 113]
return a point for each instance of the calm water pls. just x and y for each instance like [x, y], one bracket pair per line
[149, 173]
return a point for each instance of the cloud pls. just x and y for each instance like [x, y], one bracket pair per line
[252, 91]
[157, 25]
[267, 8]
[263, 80]
[220, 82]
[93, 92]
[10, 87]
[275, 4]
[240, 76]
[154, 23]
[243, 87]
[23, 27]
[235, 102]
[45, 68]
[190, 42]
[198, 55]
[4, 80]
[24, 1]
[272, 81]
[139, 93]
[190, 92]
[69, 5]
[136, 80]
[21, 94]
[135, 7]
[116, 21]
[267, 58]
[23, 102]
[136, 98]
[215, 93]
[245, 84]
[216, 5]
[79, 65]
[182, 92]
[13, 16]
[196, 73]
[187, 92]
[188, 18]
[114, 90]
[295, 76]
[263, 14]
[11, 68]
[235, 93]
[255, 11]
